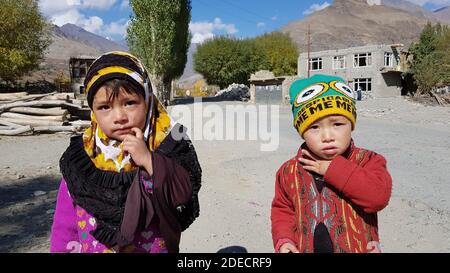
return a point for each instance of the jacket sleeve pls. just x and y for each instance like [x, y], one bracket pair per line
[282, 213]
[64, 235]
[368, 186]
[172, 179]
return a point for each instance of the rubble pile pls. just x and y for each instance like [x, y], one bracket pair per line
[239, 92]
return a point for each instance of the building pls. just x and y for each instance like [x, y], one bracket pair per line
[265, 88]
[78, 67]
[375, 70]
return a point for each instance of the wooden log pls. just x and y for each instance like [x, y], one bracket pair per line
[7, 127]
[28, 98]
[56, 111]
[32, 122]
[56, 129]
[17, 131]
[11, 96]
[8, 106]
[9, 124]
[81, 123]
[60, 96]
[31, 117]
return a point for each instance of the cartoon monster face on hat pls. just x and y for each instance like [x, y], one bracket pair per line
[320, 96]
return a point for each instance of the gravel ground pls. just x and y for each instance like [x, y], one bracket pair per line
[238, 182]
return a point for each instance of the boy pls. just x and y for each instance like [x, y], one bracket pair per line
[327, 197]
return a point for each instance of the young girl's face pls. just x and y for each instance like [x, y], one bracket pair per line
[329, 137]
[116, 116]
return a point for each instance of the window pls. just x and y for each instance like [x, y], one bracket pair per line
[365, 84]
[388, 59]
[315, 64]
[338, 62]
[362, 60]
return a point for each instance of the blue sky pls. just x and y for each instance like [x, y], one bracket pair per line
[241, 18]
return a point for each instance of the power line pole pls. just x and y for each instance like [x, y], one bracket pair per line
[309, 50]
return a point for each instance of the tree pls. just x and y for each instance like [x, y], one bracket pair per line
[158, 34]
[25, 35]
[281, 54]
[225, 60]
[431, 63]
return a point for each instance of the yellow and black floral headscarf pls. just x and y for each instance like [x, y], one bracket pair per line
[106, 153]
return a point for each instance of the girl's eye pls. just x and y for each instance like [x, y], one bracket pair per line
[103, 107]
[338, 124]
[131, 102]
[315, 127]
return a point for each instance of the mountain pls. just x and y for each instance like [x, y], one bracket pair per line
[443, 14]
[405, 6]
[349, 23]
[79, 34]
[189, 76]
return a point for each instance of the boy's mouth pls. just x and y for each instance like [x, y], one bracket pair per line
[332, 150]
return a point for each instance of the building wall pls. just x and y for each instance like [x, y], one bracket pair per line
[383, 84]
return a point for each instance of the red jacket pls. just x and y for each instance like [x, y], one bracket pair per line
[357, 187]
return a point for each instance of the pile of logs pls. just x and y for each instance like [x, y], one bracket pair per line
[24, 114]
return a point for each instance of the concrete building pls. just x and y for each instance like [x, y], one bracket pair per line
[375, 70]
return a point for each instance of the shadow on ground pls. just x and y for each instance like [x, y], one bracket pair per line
[26, 211]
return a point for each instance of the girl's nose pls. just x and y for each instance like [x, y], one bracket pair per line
[120, 115]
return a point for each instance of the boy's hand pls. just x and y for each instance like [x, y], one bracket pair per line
[288, 248]
[136, 147]
[312, 163]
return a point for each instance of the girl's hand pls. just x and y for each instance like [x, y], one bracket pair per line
[288, 248]
[136, 147]
[314, 164]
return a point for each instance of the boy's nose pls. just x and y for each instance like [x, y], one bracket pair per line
[327, 136]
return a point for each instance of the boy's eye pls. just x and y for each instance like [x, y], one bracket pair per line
[338, 124]
[131, 102]
[315, 127]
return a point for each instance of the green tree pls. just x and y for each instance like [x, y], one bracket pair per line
[25, 35]
[225, 60]
[159, 35]
[281, 54]
[431, 63]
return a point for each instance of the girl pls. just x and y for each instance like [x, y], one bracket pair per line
[130, 182]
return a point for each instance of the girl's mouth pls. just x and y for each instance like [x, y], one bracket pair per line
[122, 131]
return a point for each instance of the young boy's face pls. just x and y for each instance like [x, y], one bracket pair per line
[329, 136]
[116, 116]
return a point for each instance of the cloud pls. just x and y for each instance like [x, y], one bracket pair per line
[117, 28]
[435, 2]
[202, 31]
[260, 25]
[98, 4]
[274, 18]
[125, 4]
[316, 7]
[62, 12]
